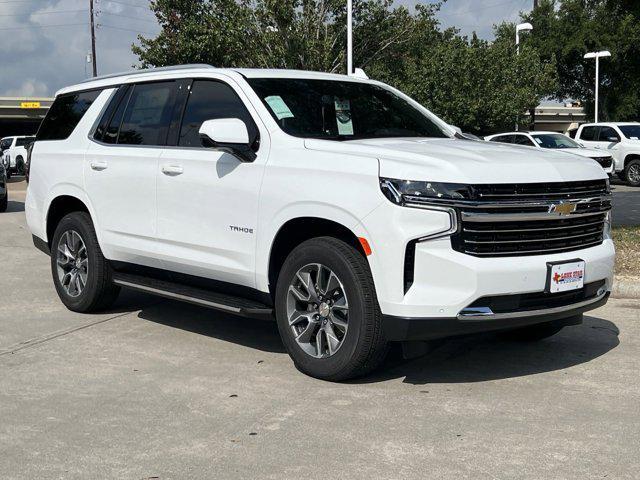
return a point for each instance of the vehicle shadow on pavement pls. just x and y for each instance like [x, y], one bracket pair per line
[14, 206]
[258, 334]
[487, 357]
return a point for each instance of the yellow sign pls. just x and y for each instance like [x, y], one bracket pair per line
[30, 105]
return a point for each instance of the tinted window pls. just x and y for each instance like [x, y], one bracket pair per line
[6, 143]
[608, 134]
[65, 114]
[209, 100]
[555, 140]
[115, 101]
[631, 131]
[148, 114]
[588, 134]
[572, 132]
[341, 110]
[112, 129]
[523, 140]
[21, 142]
[502, 139]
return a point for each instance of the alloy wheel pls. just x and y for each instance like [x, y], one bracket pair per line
[72, 263]
[634, 173]
[317, 310]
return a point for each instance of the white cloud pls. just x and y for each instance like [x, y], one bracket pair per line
[30, 87]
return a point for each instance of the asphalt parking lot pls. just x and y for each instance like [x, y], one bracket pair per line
[158, 389]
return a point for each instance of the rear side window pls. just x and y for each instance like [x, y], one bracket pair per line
[6, 143]
[148, 114]
[588, 134]
[65, 114]
[210, 100]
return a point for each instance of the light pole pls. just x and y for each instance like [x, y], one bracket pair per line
[597, 55]
[349, 37]
[521, 27]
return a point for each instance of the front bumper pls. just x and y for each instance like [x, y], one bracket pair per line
[411, 329]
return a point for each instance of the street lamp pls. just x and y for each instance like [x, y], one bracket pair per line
[521, 27]
[597, 55]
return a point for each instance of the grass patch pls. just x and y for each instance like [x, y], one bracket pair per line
[627, 241]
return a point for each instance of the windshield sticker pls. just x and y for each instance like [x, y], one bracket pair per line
[343, 117]
[280, 109]
[539, 140]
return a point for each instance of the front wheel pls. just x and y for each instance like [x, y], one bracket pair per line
[81, 274]
[632, 173]
[327, 311]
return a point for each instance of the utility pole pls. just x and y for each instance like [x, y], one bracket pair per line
[93, 40]
[349, 37]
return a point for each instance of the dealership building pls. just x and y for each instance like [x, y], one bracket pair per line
[22, 115]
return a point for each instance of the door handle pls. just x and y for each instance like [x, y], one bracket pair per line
[172, 170]
[99, 166]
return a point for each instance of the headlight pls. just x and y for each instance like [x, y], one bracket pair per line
[402, 192]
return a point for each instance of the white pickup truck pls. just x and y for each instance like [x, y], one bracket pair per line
[622, 140]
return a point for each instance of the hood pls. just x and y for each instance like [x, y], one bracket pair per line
[465, 161]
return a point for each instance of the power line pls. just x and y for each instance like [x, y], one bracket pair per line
[126, 29]
[128, 4]
[40, 13]
[45, 26]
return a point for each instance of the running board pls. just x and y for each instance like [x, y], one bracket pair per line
[197, 296]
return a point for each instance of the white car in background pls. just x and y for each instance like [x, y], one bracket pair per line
[622, 140]
[556, 141]
[14, 153]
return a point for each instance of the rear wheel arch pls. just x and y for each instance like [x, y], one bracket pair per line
[60, 207]
[298, 230]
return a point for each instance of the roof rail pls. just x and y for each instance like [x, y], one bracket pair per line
[149, 70]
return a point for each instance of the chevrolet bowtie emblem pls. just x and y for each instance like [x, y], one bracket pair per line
[563, 208]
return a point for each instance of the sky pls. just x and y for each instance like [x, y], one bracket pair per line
[45, 43]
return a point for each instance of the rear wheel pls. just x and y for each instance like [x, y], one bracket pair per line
[632, 173]
[327, 311]
[81, 274]
[19, 166]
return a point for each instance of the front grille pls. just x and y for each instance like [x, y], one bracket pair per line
[529, 219]
[605, 162]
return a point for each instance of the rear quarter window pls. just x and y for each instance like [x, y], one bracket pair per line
[588, 134]
[65, 114]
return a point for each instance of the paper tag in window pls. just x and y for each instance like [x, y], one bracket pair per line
[343, 117]
[278, 106]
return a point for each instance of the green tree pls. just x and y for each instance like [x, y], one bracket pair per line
[564, 30]
[478, 85]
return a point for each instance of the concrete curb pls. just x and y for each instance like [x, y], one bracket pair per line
[626, 287]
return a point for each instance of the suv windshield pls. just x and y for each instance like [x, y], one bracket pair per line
[341, 110]
[555, 140]
[632, 132]
[21, 142]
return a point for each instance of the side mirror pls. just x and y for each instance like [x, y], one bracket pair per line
[228, 135]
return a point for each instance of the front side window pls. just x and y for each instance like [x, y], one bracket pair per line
[341, 110]
[555, 140]
[5, 143]
[148, 114]
[502, 139]
[21, 142]
[65, 114]
[632, 132]
[210, 100]
[608, 134]
[523, 140]
[588, 134]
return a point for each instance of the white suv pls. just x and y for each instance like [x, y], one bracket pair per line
[336, 204]
[14, 153]
[622, 140]
[556, 141]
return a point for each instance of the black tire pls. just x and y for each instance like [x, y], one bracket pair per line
[363, 346]
[19, 166]
[99, 292]
[533, 333]
[632, 172]
[8, 173]
[4, 202]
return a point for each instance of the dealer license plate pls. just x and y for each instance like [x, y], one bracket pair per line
[566, 276]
